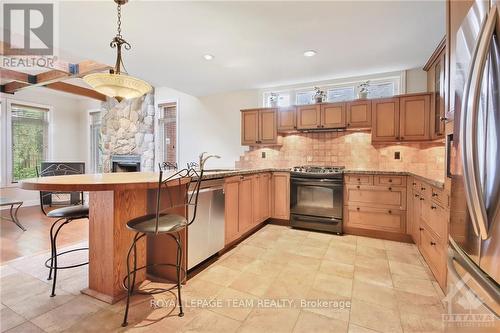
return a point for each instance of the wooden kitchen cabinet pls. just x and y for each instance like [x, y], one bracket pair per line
[333, 115]
[359, 114]
[404, 118]
[385, 118]
[308, 116]
[390, 197]
[245, 198]
[259, 127]
[287, 119]
[414, 117]
[321, 116]
[436, 79]
[265, 196]
[380, 219]
[281, 195]
[231, 208]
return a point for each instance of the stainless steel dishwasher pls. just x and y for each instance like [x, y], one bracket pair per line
[206, 234]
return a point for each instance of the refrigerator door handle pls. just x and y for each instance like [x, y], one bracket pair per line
[472, 173]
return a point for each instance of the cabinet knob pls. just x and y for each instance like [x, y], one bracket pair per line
[416, 195]
[390, 188]
[357, 186]
[402, 138]
[420, 228]
[397, 138]
[434, 194]
[422, 188]
[359, 179]
[433, 207]
[390, 211]
[390, 180]
[357, 208]
[414, 184]
[421, 199]
[433, 243]
[348, 125]
[443, 118]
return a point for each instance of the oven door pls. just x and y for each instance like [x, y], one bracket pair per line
[317, 197]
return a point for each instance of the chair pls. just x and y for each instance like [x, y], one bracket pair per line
[12, 211]
[65, 214]
[179, 190]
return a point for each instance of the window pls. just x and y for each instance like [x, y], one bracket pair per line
[383, 89]
[283, 99]
[304, 97]
[95, 142]
[340, 94]
[29, 133]
[168, 133]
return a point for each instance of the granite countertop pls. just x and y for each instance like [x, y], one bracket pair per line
[221, 173]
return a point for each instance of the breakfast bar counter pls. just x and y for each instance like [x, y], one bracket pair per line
[115, 198]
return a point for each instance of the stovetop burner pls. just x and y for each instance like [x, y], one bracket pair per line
[314, 169]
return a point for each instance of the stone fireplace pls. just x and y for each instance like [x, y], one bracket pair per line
[127, 134]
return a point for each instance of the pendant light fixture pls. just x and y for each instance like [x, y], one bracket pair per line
[118, 84]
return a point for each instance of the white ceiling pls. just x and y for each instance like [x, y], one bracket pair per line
[255, 44]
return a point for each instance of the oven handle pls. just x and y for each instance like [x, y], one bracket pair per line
[314, 182]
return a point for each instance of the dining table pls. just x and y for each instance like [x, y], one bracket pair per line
[114, 199]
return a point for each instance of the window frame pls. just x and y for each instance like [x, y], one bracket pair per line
[6, 139]
[92, 168]
[159, 134]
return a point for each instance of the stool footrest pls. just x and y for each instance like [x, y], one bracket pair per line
[49, 265]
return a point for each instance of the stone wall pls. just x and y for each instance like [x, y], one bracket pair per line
[128, 129]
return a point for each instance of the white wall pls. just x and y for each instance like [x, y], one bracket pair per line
[209, 123]
[416, 80]
[67, 130]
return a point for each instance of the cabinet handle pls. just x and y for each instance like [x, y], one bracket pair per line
[421, 199]
[416, 195]
[421, 229]
[433, 243]
[422, 188]
[414, 184]
[433, 207]
[434, 194]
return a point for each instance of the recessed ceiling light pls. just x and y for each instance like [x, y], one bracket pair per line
[208, 57]
[310, 53]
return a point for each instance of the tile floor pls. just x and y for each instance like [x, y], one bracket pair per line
[277, 280]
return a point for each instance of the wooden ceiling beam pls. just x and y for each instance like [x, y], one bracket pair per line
[9, 74]
[76, 90]
[12, 87]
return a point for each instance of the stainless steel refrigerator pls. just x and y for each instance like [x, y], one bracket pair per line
[473, 295]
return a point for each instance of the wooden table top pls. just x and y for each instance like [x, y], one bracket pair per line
[95, 182]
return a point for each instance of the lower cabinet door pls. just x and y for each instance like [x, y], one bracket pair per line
[265, 196]
[231, 209]
[281, 195]
[246, 219]
[382, 219]
[257, 214]
[434, 254]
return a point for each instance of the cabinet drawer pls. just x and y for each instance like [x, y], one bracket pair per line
[434, 254]
[390, 180]
[359, 179]
[437, 221]
[415, 185]
[391, 220]
[376, 196]
[439, 196]
[425, 190]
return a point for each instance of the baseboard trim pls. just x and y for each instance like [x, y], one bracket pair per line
[378, 234]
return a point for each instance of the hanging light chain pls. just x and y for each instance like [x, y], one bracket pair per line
[119, 20]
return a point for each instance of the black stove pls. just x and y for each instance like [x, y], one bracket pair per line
[314, 171]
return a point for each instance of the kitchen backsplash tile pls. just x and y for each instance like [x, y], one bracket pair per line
[354, 150]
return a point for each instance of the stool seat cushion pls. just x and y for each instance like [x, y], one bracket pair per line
[167, 223]
[70, 212]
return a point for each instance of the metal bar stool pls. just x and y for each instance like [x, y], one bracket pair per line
[179, 190]
[63, 215]
[12, 211]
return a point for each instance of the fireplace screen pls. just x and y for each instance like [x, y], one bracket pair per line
[125, 163]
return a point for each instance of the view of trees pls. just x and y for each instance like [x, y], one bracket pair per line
[28, 136]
